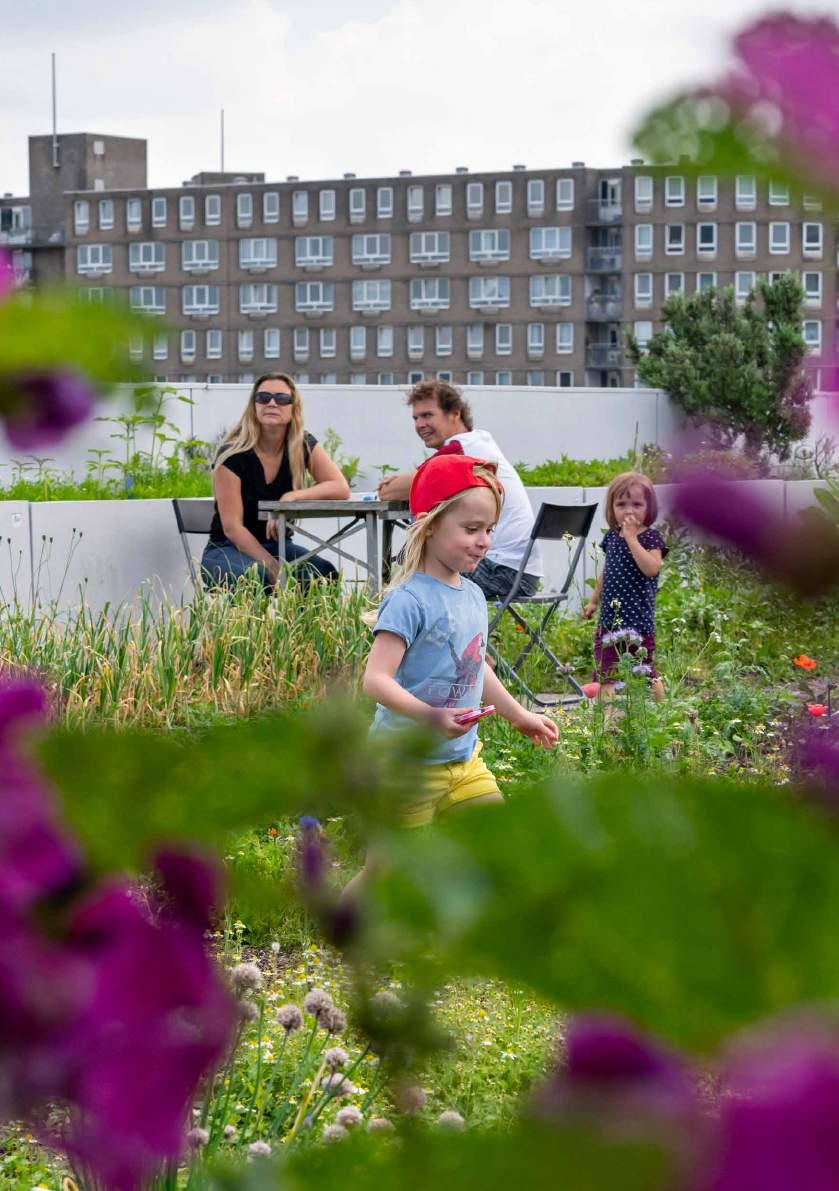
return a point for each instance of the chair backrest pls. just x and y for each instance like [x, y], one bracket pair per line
[553, 522]
[194, 514]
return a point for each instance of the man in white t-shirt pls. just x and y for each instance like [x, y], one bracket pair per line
[442, 419]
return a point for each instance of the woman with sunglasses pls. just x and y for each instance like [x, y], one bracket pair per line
[266, 457]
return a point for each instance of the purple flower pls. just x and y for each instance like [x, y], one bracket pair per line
[817, 761]
[311, 855]
[42, 406]
[778, 1120]
[7, 273]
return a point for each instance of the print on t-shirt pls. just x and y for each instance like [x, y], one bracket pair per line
[450, 690]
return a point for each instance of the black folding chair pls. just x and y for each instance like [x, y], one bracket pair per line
[553, 523]
[194, 515]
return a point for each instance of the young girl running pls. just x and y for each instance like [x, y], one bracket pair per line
[626, 588]
[427, 663]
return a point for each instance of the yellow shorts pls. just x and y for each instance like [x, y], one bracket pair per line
[445, 786]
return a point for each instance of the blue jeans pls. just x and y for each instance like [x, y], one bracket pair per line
[496, 580]
[222, 564]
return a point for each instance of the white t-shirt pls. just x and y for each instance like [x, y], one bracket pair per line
[512, 535]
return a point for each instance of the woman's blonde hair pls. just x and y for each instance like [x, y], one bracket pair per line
[420, 530]
[621, 484]
[245, 434]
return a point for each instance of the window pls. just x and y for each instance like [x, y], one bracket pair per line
[674, 192]
[270, 206]
[564, 338]
[328, 343]
[706, 192]
[215, 344]
[314, 252]
[474, 200]
[503, 198]
[812, 331]
[135, 347]
[158, 211]
[643, 333]
[358, 204]
[428, 248]
[443, 199]
[778, 238]
[371, 248]
[489, 292]
[504, 340]
[443, 341]
[565, 380]
[745, 192]
[415, 203]
[474, 378]
[149, 255]
[811, 202]
[705, 281]
[245, 345]
[81, 216]
[94, 258]
[643, 289]
[430, 293]
[778, 194]
[106, 214]
[475, 340]
[812, 239]
[550, 243]
[199, 254]
[565, 194]
[134, 214]
[384, 341]
[706, 239]
[313, 297]
[384, 202]
[188, 339]
[536, 378]
[504, 377]
[258, 298]
[244, 210]
[299, 207]
[490, 245]
[186, 212]
[385, 378]
[358, 343]
[643, 241]
[160, 347]
[446, 375]
[535, 196]
[258, 254]
[674, 283]
[271, 343]
[301, 343]
[358, 378]
[745, 239]
[744, 283]
[200, 299]
[150, 299]
[812, 284]
[212, 210]
[643, 193]
[550, 290]
[371, 296]
[674, 240]
[416, 342]
[535, 339]
[245, 378]
[327, 204]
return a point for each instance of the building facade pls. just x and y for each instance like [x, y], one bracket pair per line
[519, 277]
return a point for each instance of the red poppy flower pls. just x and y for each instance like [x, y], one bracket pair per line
[817, 709]
[273, 831]
[804, 663]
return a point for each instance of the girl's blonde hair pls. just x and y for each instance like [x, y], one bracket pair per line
[245, 434]
[420, 530]
[621, 484]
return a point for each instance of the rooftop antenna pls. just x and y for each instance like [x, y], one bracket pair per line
[222, 139]
[55, 161]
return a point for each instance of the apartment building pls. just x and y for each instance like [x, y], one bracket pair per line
[517, 277]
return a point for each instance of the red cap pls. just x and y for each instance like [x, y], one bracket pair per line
[443, 476]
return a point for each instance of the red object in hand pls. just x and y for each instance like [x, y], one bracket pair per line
[471, 717]
[591, 689]
[817, 709]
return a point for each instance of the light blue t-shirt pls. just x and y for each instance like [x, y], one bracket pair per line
[445, 629]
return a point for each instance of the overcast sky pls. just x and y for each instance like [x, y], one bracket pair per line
[317, 87]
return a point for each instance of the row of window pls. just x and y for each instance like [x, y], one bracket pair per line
[707, 193]
[811, 329]
[318, 252]
[369, 297]
[562, 379]
[744, 282]
[778, 239]
[323, 205]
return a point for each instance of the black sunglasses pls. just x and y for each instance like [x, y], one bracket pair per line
[263, 397]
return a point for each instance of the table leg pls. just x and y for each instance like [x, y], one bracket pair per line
[281, 527]
[387, 550]
[374, 574]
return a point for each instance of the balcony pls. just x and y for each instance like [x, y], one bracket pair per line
[604, 355]
[604, 211]
[604, 260]
[604, 308]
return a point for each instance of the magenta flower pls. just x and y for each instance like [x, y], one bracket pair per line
[7, 273]
[42, 406]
